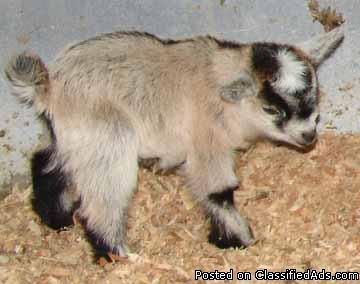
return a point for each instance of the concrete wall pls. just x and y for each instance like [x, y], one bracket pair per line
[45, 26]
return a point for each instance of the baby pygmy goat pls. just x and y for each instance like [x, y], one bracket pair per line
[122, 97]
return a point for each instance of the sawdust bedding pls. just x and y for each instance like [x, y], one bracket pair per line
[303, 208]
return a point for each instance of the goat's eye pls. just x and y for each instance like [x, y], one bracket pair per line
[317, 119]
[272, 110]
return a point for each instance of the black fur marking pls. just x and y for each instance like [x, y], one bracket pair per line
[29, 68]
[227, 44]
[224, 198]
[272, 98]
[100, 248]
[48, 186]
[26, 68]
[264, 60]
[218, 237]
[306, 103]
[306, 108]
[24, 64]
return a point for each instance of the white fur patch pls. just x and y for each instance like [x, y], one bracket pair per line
[22, 90]
[290, 75]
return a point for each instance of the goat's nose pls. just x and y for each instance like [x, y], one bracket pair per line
[309, 136]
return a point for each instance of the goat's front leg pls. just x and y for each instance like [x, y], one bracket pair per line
[213, 181]
[228, 227]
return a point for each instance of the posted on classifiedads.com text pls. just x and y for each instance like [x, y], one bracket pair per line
[266, 275]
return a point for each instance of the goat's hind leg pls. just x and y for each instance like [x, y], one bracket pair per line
[52, 199]
[104, 166]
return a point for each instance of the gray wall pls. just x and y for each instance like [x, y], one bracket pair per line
[45, 26]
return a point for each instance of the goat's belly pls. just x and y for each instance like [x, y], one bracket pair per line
[168, 152]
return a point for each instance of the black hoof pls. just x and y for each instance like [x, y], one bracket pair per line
[218, 238]
[224, 242]
[101, 249]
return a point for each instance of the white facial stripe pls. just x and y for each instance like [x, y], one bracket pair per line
[290, 75]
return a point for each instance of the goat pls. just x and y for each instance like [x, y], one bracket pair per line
[118, 98]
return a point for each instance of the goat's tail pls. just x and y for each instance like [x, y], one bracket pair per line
[28, 78]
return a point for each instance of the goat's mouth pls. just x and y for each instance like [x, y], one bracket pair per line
[299, 144]
[305, 144]
[302, 146]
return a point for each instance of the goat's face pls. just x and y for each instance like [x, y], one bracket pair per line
[288, 96]
[277, 95]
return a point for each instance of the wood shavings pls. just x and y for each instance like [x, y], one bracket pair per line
[328, 17]
[4, 259]
[302, 207]
[186, 197]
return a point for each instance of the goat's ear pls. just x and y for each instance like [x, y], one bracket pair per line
[322, 46]
[243, 86]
